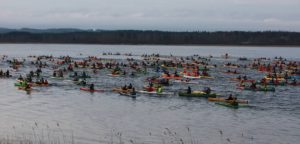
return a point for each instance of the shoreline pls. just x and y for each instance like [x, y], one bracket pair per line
[202, 45]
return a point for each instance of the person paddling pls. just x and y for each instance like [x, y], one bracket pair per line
[207, 90]
[130, 86]
[92, 88]
[189, 90]
[253, 85]
[230, 97]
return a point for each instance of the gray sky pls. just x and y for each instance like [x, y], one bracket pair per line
[173, 15]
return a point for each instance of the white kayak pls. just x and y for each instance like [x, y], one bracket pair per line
[186, 82]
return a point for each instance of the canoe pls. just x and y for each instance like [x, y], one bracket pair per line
[224, 100]
[88, 89]
[155, 93]
[127, 94]
[199, 94]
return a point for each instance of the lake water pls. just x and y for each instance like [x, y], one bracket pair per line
[63, 114]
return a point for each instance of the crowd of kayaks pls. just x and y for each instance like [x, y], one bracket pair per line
[158, 72]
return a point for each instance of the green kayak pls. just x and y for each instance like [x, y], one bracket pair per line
[18, 84]
[226, 104]
[197, 94]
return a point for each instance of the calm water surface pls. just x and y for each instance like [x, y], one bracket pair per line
[63, 114]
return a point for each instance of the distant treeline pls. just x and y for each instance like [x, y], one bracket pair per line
[156, 37]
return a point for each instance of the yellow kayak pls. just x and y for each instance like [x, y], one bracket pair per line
[224, 100]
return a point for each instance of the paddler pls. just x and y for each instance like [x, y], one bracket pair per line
[27, 87]
[207, 90]
[176, 74]
[204, 73]
[82, 82]
[92, 88]
[54, 74]
[125, 87]
[245, 77]
[20, 78]
[133, 92]
[159, 89]
[189, 90]
[234, 102]
[294, 82]
[253, 85]
[130, 86]
[230, 98]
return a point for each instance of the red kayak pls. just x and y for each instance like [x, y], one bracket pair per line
[88, 89]
[294, 84]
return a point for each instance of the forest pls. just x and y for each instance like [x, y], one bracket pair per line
[264, 38]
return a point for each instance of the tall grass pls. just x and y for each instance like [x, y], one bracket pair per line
[57, 135]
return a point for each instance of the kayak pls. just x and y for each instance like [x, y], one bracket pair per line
[224, 100]
[35, 84]
[58, 78]
[231, 73]
[226, 104]
[148, 87]
[272, 89]
[114, 75]
[88, 89]
[24, 88]
[197, 94]
[294, 77]
[186, 82]
[231, 66]
[155, 93]
[171, 77]
[278, 78]
[241, 80]
[294, 84]
[83, 77]
[282, 83]
[197, 77]
[18, 83]
[127, 94]
[121, 90]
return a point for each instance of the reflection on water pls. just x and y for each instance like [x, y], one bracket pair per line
[63, 114]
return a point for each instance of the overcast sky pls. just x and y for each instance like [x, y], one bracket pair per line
[173, 15]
